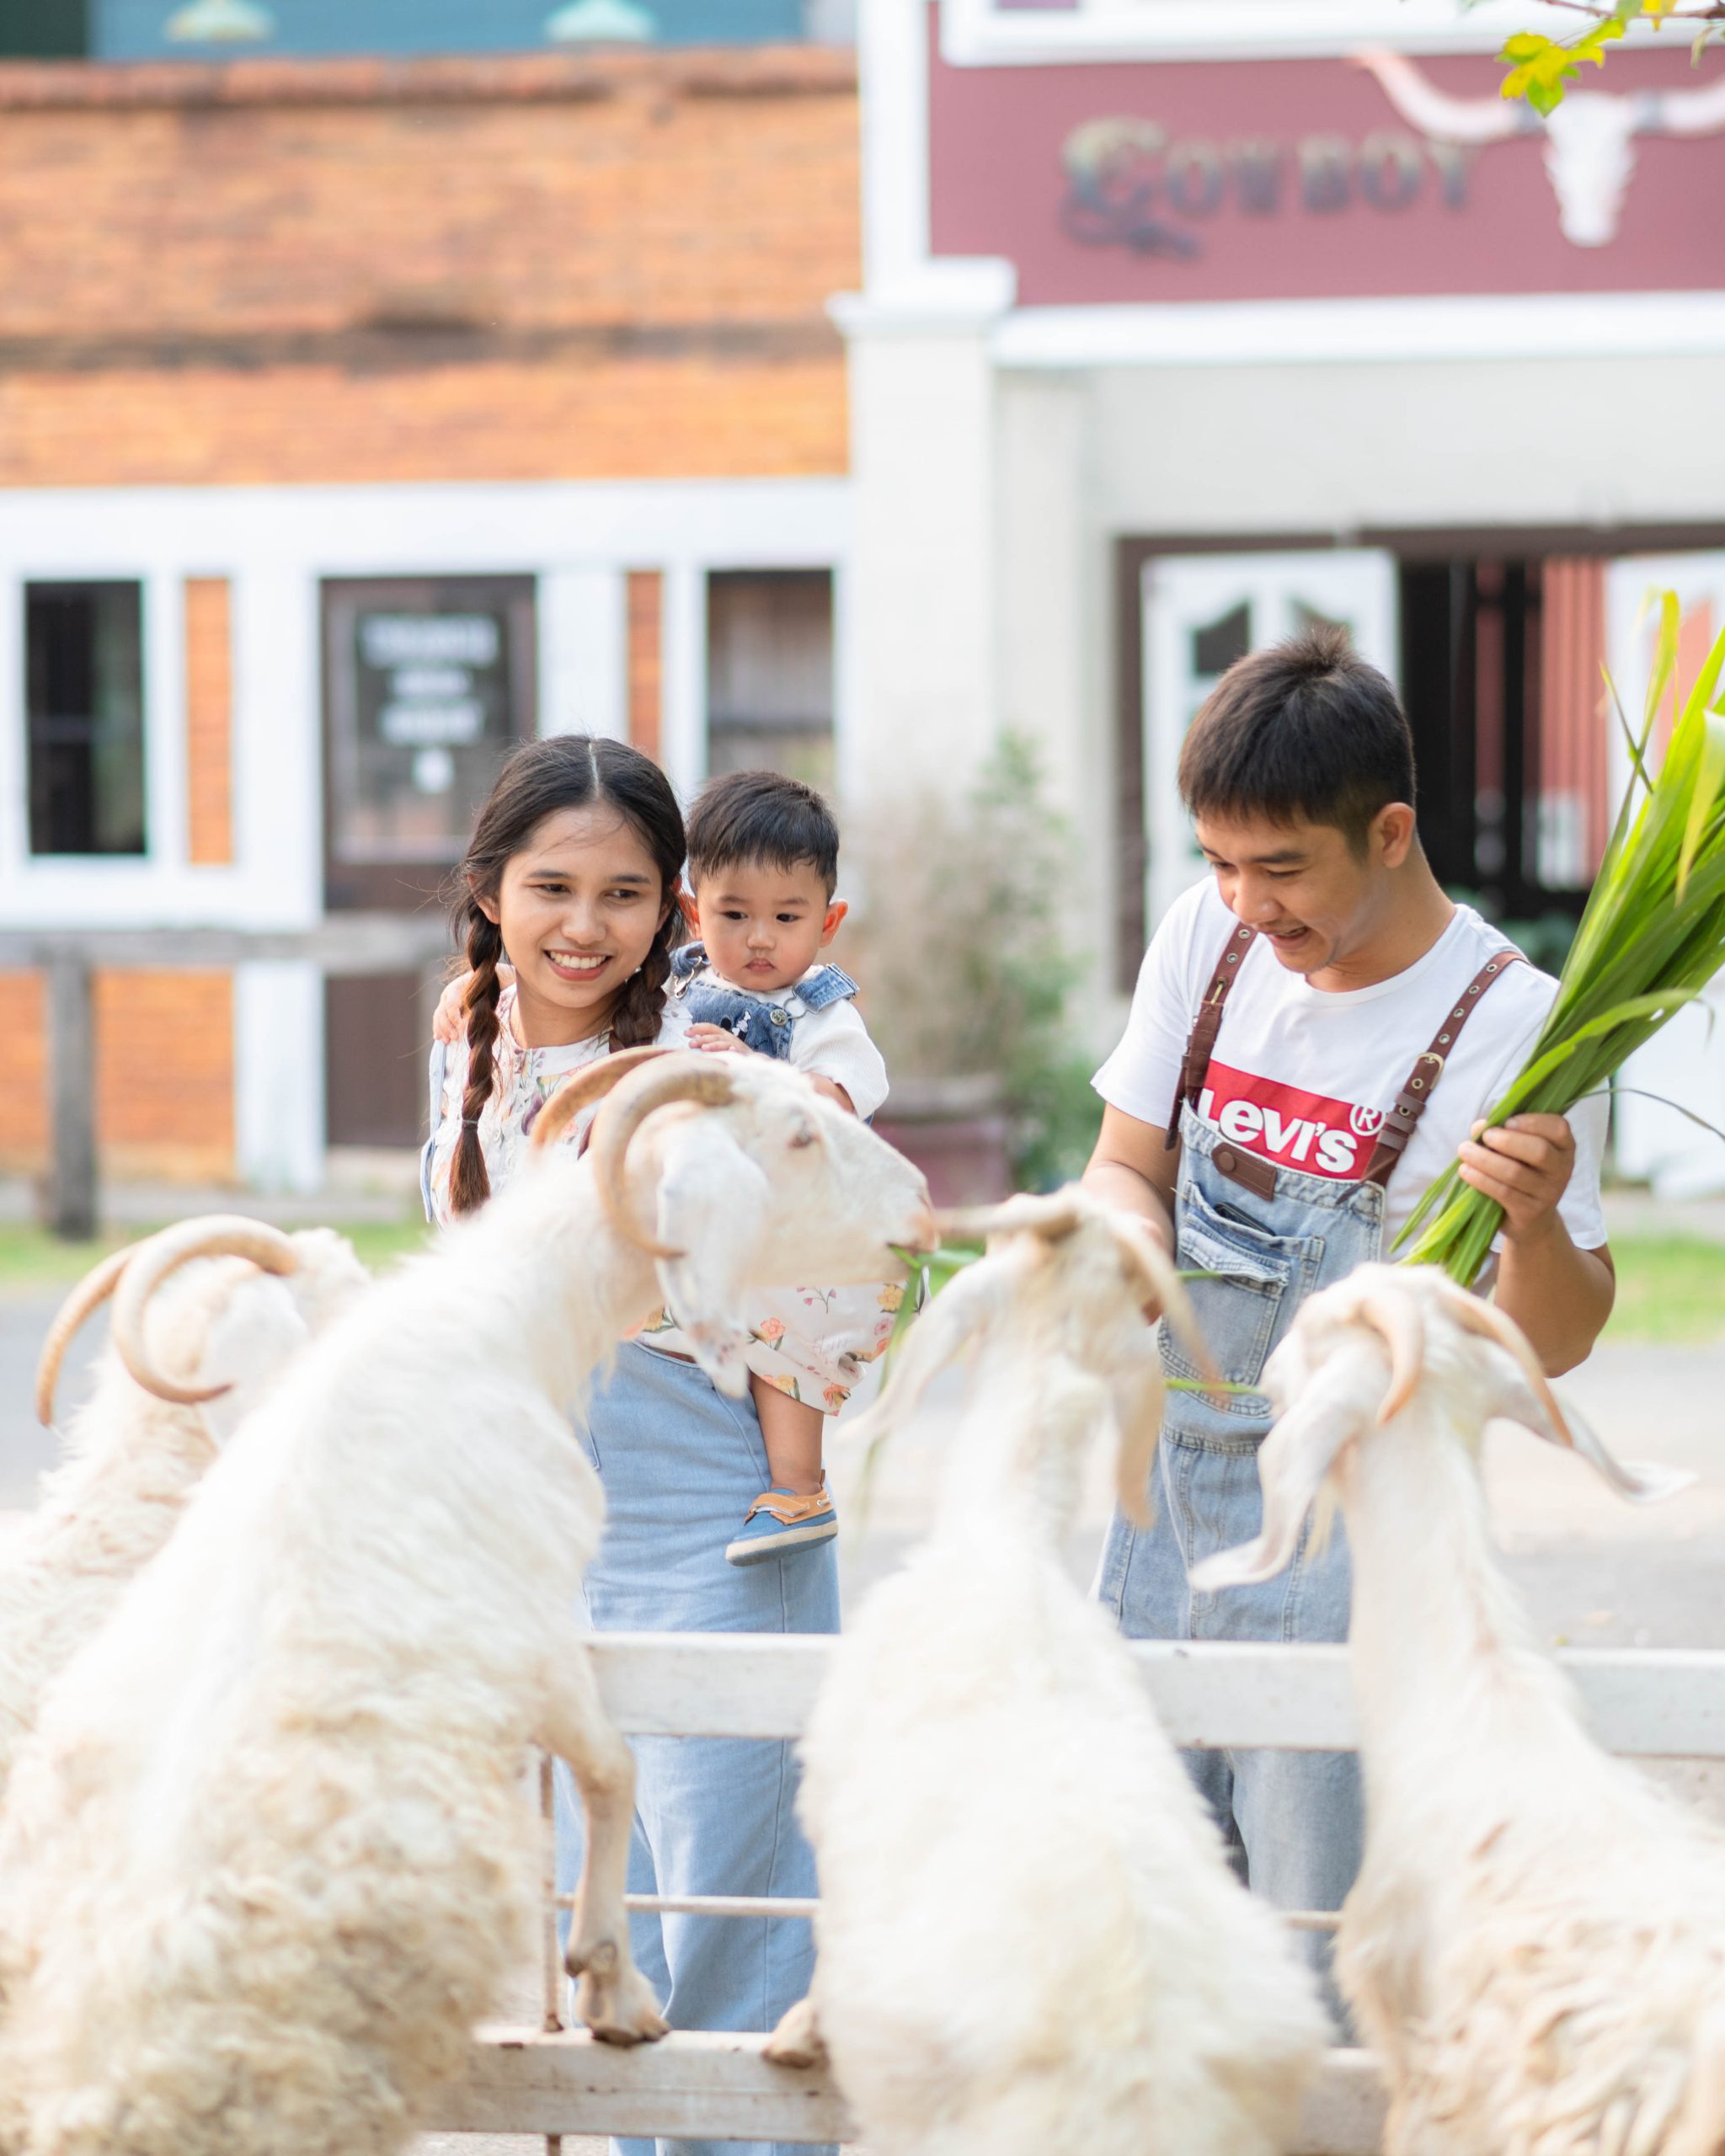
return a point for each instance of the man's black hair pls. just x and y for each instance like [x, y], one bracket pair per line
[1305, 732]
[762, 816]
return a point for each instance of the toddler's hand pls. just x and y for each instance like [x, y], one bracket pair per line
[448, 1022]
[714, 1040]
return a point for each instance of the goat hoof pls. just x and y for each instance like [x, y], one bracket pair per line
[615, 2001]
[796, 2040]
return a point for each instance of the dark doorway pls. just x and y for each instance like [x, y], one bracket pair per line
[428, 683]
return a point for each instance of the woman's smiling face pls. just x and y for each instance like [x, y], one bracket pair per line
[578, 907]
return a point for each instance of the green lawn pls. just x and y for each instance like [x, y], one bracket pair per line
[1670, 1289]
[34, 1262]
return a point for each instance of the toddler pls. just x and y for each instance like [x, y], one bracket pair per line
[763, 864]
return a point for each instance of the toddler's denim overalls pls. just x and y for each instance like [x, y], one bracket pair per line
[757, 1021]
[1274, 1235]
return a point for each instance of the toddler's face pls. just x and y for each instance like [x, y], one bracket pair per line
[764, 926]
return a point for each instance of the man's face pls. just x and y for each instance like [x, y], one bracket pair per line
[1313, 899]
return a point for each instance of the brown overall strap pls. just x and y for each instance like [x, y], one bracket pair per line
[1412, 1102]
[1201, 1041]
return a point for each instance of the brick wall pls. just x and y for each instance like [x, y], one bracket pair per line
[164, 1074]
[553, 266]
[209, 721]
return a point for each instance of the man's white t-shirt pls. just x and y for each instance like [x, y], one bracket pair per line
[1304, 1076]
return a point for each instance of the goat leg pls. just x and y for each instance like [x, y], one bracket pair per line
[798, 2041]
[612, 1998]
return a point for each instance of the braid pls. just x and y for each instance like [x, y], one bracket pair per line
[639, 1011]
[469, 1186]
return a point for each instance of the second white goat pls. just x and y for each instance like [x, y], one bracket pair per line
[1535, 1946]
[194, 1350]
[1030, 1941]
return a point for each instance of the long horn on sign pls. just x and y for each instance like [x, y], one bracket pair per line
[1690, 112]
[1433, 111]
[1399, 1323]
[688, 1076]
[217, 1235]
[95, 1288]
[583, 1088]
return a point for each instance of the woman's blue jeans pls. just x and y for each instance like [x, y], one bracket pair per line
[681, 1464]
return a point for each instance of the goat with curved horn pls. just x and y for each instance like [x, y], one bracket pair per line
[98, 1284]
[217, 1235]
[585, 1087]
[686, 1076]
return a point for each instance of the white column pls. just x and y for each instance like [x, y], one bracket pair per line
[278, 1074]
[683, 676]
[583, 685]
[923, 598]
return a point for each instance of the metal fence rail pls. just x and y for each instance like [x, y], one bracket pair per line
[555, 2081]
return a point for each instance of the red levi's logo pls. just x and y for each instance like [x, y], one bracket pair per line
[1295, 1129]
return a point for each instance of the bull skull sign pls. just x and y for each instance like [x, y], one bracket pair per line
[1590, 138]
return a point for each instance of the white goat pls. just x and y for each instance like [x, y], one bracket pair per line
[193, 1352]
[1535, 1946]
[266, 1858]
[1029, 1941]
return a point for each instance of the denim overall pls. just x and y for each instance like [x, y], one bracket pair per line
[1272, 1235]
[757, 1022]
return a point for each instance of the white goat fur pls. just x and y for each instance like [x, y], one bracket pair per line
[1029, 1941]
[1535, 1946]
[132, 1459]
[267, 1856]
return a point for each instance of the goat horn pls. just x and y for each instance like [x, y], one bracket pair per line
[219, 1235]
[1691, 112]
[1434, 112]
[1490, 1323]
[1400, 1325]
[1158, 1276]
[686, 1077]
[583, 1088]
[1050, 1217]
[95, 1288]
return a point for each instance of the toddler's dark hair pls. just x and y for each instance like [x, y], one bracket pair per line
[750, 816]
[568, 770]
[1305, 731]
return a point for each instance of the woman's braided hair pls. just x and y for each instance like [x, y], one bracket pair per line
[568, 770]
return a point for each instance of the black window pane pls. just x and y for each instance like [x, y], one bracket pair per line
[85, 700]
[1217, 644]
[769, 673]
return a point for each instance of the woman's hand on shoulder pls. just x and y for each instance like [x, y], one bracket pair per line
[448, 1024]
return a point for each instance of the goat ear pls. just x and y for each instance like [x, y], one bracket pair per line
[1642, 1481]
[715, 1204]
[1339, 1405]
[964, 1308]
[251, 1339]
[1136, 1395]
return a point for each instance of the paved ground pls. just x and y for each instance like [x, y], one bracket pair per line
[1595, 1572]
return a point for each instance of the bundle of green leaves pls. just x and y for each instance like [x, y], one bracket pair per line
[1652, 937]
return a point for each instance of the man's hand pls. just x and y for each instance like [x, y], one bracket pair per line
[716, 1040]
[1524, 1165]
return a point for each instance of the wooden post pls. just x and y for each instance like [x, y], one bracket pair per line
[71, 1063]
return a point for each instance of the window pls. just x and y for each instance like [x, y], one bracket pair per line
[84, 701]
[769, 673]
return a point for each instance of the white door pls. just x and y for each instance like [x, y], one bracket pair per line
[1202, 612]
[1685, 1061]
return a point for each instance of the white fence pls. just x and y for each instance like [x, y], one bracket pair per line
[555, 2081]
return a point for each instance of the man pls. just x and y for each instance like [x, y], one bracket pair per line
[1356, 1026]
